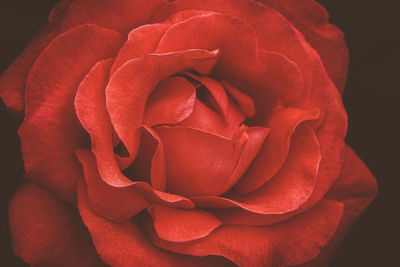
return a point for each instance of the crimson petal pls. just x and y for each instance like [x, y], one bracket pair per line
[124, 244]
[356, 187]
[282, 124]
[292, 242]
[47, 232]
[141, 41]
[177, 225]
[312, 19]
[128, 91]
[290, 187]
[51, 131]
[115, 203]
[150, 161]
[275, 33]
[113, 14]
[171, 102]
[198, 163]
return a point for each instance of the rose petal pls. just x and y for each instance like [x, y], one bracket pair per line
[13, 79]
[311, 18]
[356, 187]
[245, 102]
[129, 88]
[117, 204]
[205, 119]
[51, 131]
[115, 14]
[90, 105]
[274, 32]
[48, 232]
[198, 163]
[149, 164]
[355, 180]
[289, 188]
[171, 102]
[177, 225]
[282, 124]
[123, 244]
[141, 41]
[292, 242]
[217, 91]
[255, 140]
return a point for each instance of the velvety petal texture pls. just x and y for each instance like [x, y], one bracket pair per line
[48, 232]
[184, 133]
[50, 131]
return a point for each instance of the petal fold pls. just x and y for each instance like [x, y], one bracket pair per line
[282, 123]
[177, 225]
[51, 130]
[129, 88]
[292, 242]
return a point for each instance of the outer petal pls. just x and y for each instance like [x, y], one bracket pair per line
[311, 19]
[113, 203]
[356, 187]
[120, 15]
[275, 33]
[177, 225]
[290, 187]
[51, 131]
[288, 243]
[124, 244]
[13, 79]
[282, 124]
[128, 91]
[48, 232]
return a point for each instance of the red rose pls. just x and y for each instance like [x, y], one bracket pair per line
[184, 133]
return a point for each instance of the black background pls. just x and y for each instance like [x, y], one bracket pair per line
[371, 99]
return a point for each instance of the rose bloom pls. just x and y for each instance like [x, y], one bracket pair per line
[183, 133]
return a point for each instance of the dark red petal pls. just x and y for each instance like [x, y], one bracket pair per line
[13, 79]
[272, 155]
[141, 41]
[149, 164]
[355, 180]
[255, 140]
[124, 244]
[274, 32]
[198, 163]
[332, 156]
[205, 119]
[289, 188]
[178, 225]
[294, 241]
[356, 187]
[171, 102]
[129, 88]
[47, 232]
[217, 91]
[120, 15]
[311, 19]
[51, 131]
[325, 96]
[115, 203]
[238, 216]
[244, 101]
[90, 105]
